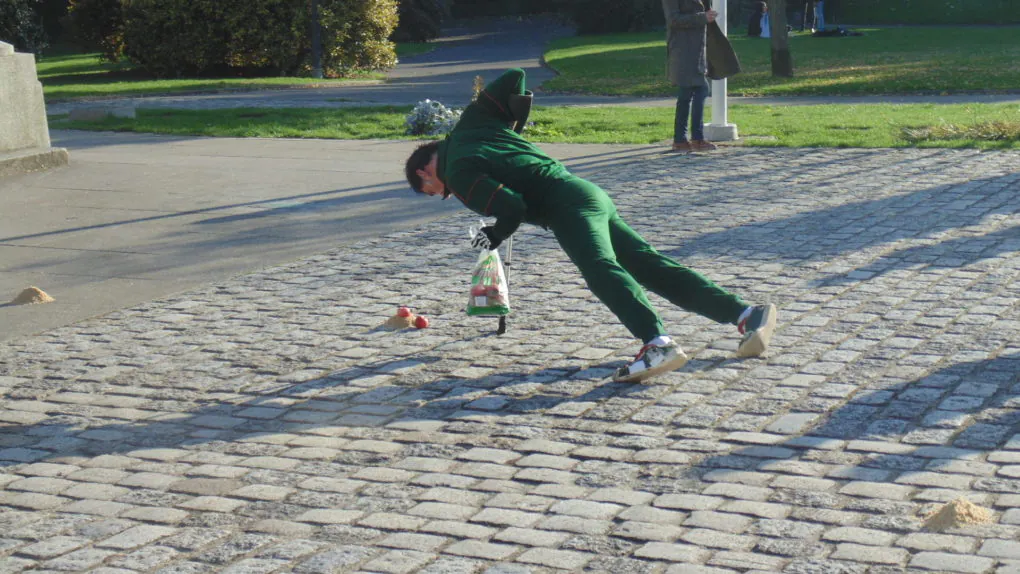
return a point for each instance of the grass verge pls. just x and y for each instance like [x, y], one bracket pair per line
[883, 61]
[983, 126]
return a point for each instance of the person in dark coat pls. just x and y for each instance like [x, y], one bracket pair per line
[754, 24]
[686, 21]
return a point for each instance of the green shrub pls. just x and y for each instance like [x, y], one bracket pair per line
[355, 35]
[97, 25]
[948, 12]
[608, 16]
[419, 20]
[197, 37]
[21, 25]
[174, 38]
[266, 35]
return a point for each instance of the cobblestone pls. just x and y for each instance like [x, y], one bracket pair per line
[264, 423]
[672, 552]
[484, 550]
[951, 562]
[869, 554]
[561, 559]
[136, 536]
[53, 547]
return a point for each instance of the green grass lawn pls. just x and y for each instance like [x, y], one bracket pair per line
[67, 74]
[984, 126]
[883, 61]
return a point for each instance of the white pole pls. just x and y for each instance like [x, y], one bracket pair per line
[720, 129]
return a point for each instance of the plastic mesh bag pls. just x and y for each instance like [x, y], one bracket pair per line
[489, 292]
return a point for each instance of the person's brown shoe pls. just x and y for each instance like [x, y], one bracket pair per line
[703, 145]
[683, 147]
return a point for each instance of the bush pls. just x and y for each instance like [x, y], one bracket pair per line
[608, 16]
[97, 25]
[355, 35]
[21, 25]
[174, 38]
[418, 20]
[198, 37]
[266, 35]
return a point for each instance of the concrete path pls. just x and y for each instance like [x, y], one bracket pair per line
[263, 423]
[137, 217]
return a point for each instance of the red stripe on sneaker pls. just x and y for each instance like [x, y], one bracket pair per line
[642, 351]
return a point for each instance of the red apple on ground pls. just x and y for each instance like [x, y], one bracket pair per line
[403, 312]
[421, 322]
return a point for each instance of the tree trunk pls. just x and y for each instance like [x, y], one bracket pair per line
[782, 60]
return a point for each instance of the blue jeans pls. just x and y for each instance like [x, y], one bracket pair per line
[819, 15]
[691, 100]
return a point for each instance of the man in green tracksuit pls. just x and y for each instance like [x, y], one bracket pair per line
[493, 171]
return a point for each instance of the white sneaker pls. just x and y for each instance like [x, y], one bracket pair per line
[652, 360]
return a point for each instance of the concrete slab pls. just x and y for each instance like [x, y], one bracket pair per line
[31, 159]
[137, 217]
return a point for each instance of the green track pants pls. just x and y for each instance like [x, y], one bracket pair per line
[615, 262]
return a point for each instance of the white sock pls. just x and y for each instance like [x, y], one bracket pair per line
[744, 315]
[661, 340]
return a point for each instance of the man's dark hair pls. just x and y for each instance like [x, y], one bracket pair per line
[418, 160]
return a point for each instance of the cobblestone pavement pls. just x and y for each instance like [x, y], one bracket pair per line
[265, 424]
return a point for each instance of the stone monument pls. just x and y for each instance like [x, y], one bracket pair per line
[24, 132]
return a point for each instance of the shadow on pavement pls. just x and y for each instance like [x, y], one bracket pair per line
[296, 202]
[865, 226]
[935, 253]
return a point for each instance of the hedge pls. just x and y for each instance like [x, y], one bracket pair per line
[174, 38]
[606, 16]
[419, 20]
[944, 12]
[21, 25]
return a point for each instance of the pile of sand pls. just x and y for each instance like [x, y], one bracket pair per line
[959, 512]
[32, 296]
[396, 322]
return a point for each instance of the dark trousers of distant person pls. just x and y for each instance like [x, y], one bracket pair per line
[690, 102]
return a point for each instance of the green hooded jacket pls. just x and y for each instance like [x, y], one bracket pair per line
[491, 169]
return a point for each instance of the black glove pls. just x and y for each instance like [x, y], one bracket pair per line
[486, 239]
